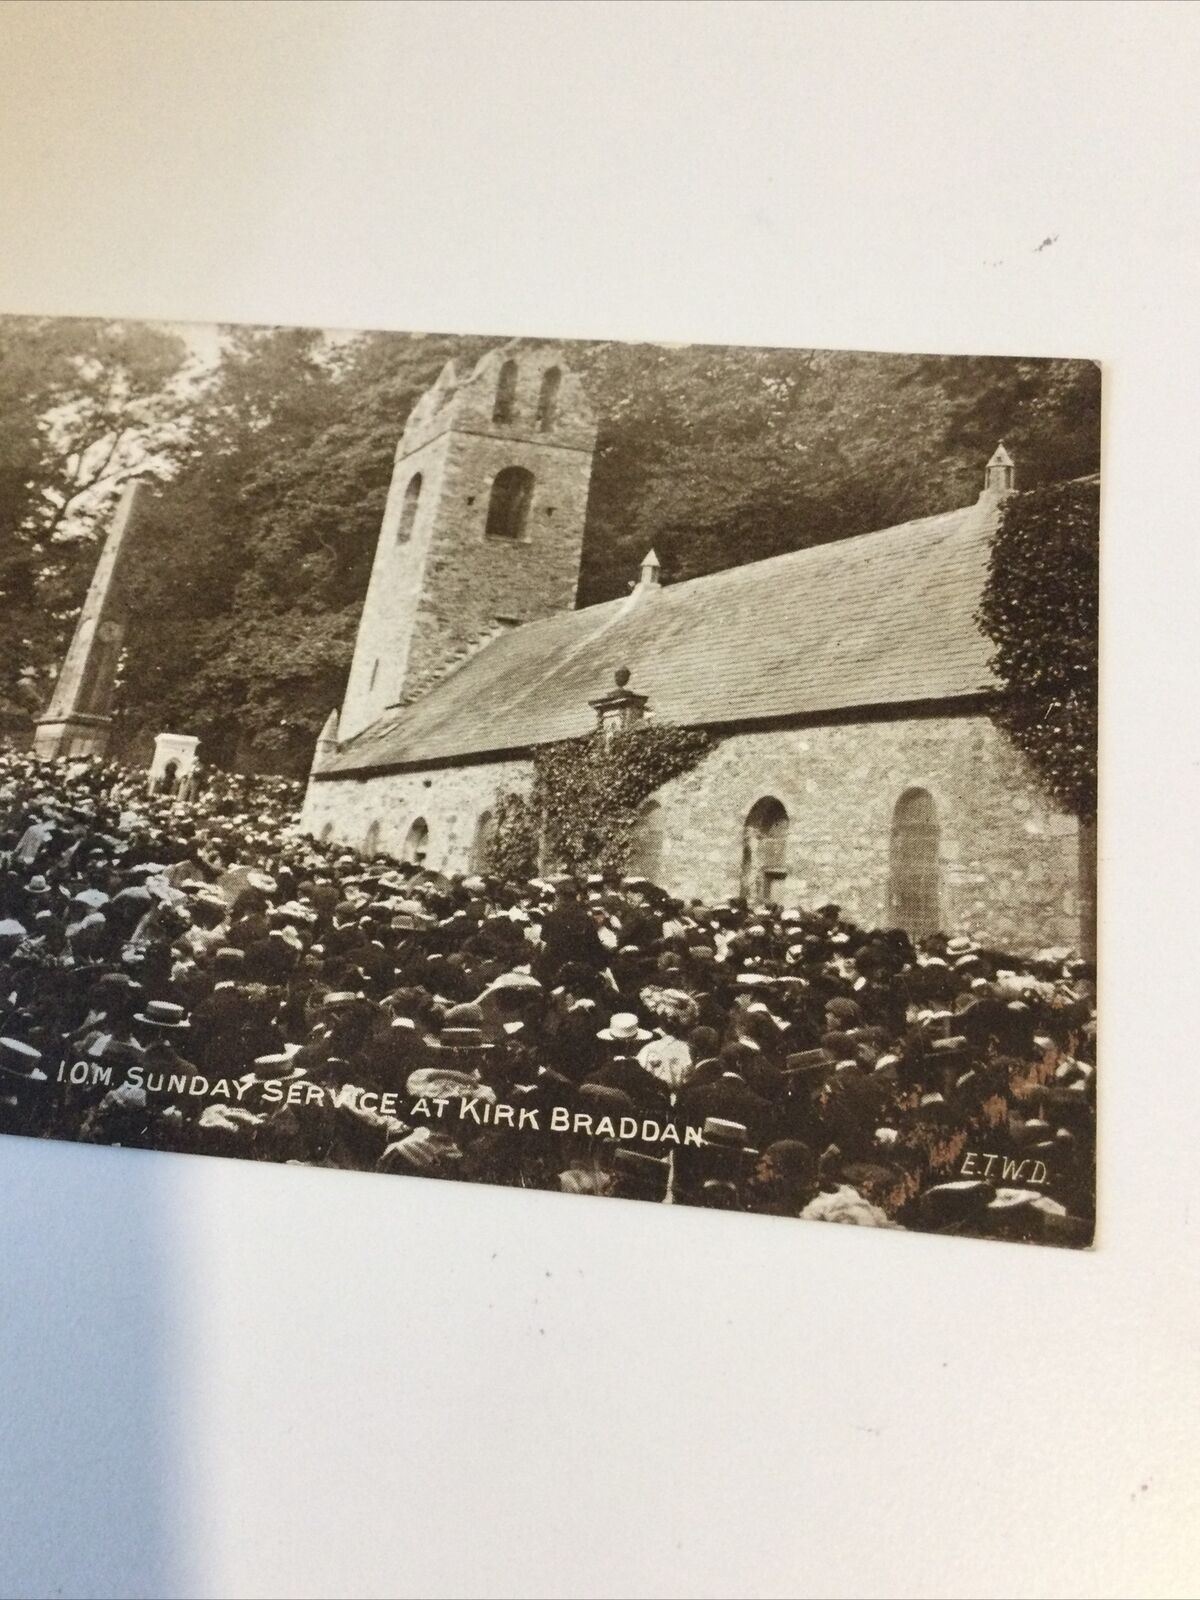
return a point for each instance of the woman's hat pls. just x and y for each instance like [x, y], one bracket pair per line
[443, 1083]
[623, 1028]
[92, 898]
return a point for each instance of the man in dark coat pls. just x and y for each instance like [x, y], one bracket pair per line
[569, 933]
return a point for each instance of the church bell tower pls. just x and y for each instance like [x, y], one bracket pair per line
[483, 528]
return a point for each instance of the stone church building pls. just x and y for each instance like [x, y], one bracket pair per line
[847, 685]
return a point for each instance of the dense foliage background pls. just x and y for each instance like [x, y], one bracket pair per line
[1041, 610]
[273, 448]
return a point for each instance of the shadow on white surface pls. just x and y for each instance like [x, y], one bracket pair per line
[92, 1474]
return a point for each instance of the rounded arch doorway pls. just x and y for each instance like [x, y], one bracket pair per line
[764, 851]
[416, 843]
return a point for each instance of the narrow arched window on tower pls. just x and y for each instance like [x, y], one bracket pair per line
[547, 408]
[508, 508]
[408, 513]
[506, 393]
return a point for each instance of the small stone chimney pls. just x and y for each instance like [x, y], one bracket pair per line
[620, 708]
[999, 474]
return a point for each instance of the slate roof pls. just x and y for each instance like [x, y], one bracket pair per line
[879, 620]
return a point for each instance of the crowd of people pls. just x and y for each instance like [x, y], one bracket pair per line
[195, 974]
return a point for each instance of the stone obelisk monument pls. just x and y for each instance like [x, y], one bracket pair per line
[78, 719]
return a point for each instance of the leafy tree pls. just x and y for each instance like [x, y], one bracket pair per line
[84, 406]
[1041, 609]
[258, 553]
[716, 456]
[253, 563]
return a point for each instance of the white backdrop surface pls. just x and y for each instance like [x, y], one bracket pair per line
[225, 1380]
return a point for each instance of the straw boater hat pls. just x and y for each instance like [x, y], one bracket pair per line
[276, 1066]
[20, 1060]
[163, 1014]
[623, 1028]
[719, 1131]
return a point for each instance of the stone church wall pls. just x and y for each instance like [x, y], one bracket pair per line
[1008, 860]
[451, 802]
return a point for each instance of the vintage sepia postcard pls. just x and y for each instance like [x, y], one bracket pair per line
[621, 770]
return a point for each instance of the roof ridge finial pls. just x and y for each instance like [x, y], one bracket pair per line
[1000, 473]
[651, 572]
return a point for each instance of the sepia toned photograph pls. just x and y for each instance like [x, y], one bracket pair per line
[625, 770]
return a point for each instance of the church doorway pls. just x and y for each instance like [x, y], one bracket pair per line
[764, 852]
[915, 891]
[416, 844]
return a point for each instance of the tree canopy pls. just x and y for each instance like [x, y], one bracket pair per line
[1041, 610]
[275, 455]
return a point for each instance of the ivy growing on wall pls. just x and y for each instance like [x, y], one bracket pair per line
[1040, 608]
[512, 851]
[583, 805]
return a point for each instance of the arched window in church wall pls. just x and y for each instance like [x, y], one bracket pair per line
[764, 852]
[914, 895]
[508, 507]
[646, 843]
[547, 407]
[327, 833]
[481, 848]
[408, 512]
[416, 843]
[371, 842]
[505, 407]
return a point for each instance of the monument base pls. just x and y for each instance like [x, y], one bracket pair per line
[71, 737]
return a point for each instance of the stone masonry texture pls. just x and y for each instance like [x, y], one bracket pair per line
[438, 593]
[1008, 858]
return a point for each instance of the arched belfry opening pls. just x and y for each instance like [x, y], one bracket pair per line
[505, 408]
[508, 507]
[764, 851]
[547, 406]
[915, 891]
